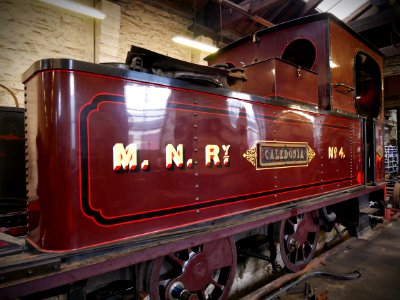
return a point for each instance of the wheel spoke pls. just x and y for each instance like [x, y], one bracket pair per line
[203, 294]
[207, 270]
[176, 260]
[304, 236]
[164, 282]
[216, 284]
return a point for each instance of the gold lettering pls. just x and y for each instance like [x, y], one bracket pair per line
[173, 155]
[302, 154]
[212, 152]
[124, 157]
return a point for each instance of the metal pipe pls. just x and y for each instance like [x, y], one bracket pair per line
[283, 290]
[327, 216]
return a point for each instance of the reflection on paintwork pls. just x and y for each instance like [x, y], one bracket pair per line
[241, 96]
[255, 126]
[146, 108]
[303, 114]
[72, 104]
[333, 65]
[233, 106]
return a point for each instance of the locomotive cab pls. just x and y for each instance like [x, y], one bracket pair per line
[317, 62]
[368, 102]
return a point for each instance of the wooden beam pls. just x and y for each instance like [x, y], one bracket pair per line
[358, 12]
[281, 8]
[392, 103]
[247, 13]
[382, 18]
[310, 5]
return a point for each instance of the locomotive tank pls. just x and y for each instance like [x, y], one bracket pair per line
[128, 157]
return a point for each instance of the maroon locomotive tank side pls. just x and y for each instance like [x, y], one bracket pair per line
[117, 154]
[190, 156]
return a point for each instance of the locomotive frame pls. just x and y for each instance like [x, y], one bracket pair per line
[71, 103]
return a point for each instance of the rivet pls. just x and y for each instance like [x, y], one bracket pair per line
[196, 174]
[195, 138]
[197, 186]
[195, 125]
[197, 198]
[195, 149]
[195, 114]
[195, 102]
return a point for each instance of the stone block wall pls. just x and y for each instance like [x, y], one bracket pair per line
[107, 32]
[31, 30]
[146, 26]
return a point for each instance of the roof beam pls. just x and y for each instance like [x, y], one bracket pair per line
[358, 12]
[279, 10]
[392, 103]
[310, 5]
[247, 13]
[382, 18]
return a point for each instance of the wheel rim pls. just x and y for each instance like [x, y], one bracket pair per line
[298, 240]
[206, 271]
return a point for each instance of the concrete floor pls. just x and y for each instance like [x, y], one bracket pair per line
[376, 256]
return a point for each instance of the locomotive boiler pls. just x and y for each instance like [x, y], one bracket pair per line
[144, 173]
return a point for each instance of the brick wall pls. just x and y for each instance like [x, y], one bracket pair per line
[31, 30]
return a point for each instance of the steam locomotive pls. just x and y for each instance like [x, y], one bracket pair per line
[141, 176]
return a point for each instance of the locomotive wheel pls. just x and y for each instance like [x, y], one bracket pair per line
[203, 272]
[298, 240]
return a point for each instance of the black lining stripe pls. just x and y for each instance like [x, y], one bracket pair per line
[160, 213]
[243, 114]
[90, 69]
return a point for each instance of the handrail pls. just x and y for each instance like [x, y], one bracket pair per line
[348, 87]
[12, 94]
